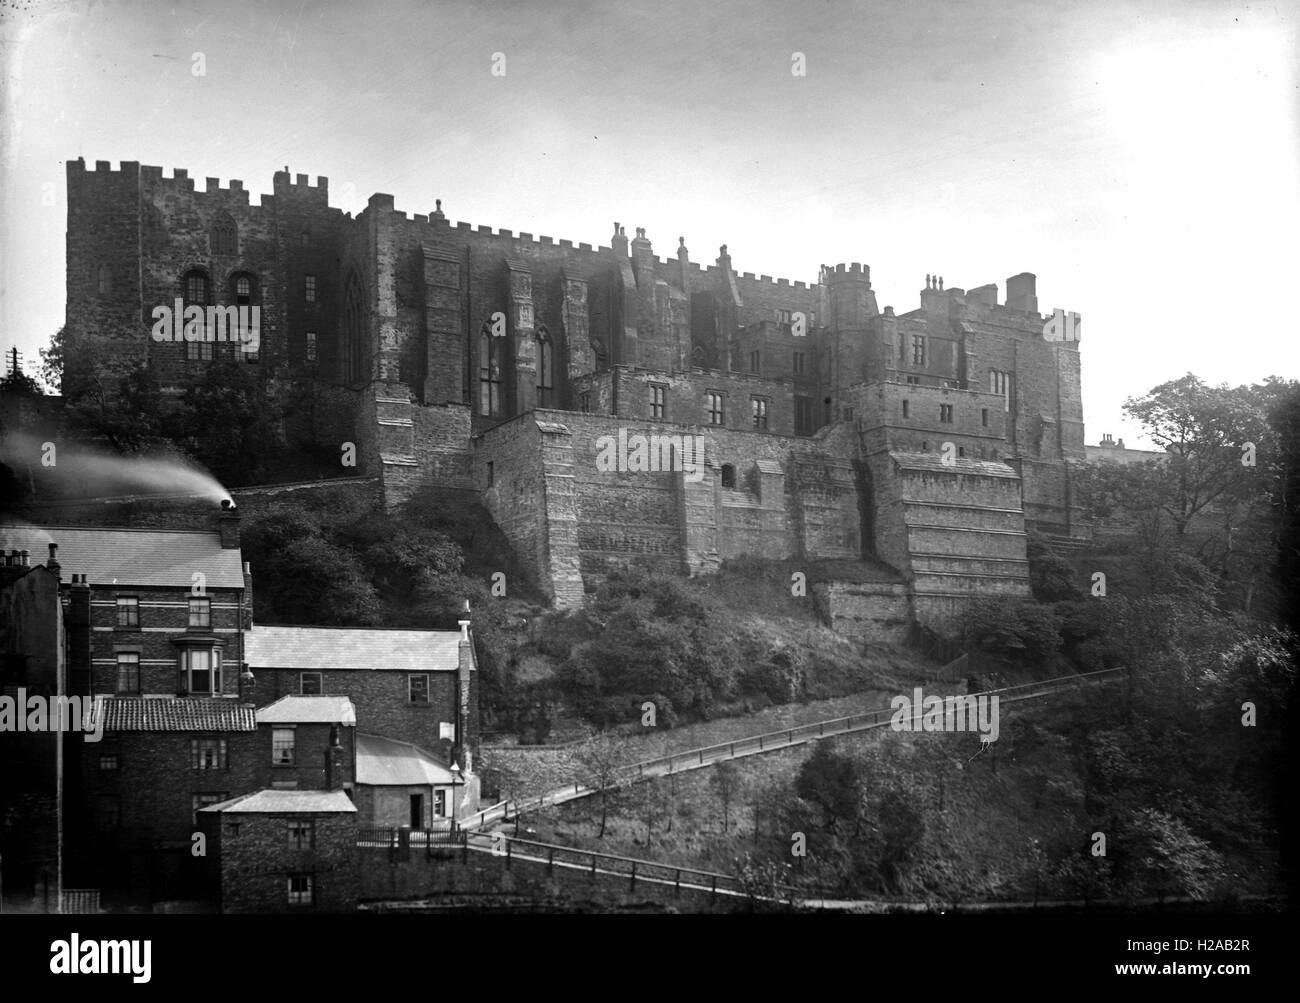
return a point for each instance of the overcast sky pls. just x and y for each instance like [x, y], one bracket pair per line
[1141, 158]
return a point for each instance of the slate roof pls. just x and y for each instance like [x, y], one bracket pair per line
[279, 802]
[316, 648]
[385, 761]
[178, 714]
[959, 465]
[309, 710]
[141, 557]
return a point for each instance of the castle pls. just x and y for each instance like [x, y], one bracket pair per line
[931, 441]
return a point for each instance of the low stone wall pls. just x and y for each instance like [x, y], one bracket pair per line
[866, 611]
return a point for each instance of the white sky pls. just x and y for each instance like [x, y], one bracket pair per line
[1140, 158]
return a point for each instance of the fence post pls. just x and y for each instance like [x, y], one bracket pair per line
[550, 862]
[593, 868]
[733, 749]
[701, 757]
[508, 842]
[760, 743]
[714, 896]
[633, 886]
[677, 882]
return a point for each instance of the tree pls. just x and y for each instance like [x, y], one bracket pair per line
[725, 782]
[599, 759]
[52, 361]
[227, 424]
[829, 781]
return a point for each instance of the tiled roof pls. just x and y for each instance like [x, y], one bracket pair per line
[959, 465]
[278, 802]
[314, 648]
[384, 761]
[178, 714]
[142, 557]
[309, 710]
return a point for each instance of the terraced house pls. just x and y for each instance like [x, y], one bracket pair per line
[197, 707]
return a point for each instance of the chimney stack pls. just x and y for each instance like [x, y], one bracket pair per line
[53, 562]
[334, 761]
[1022, 293]
[228, 525]
[247, 685]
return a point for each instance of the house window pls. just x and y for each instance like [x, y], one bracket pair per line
[902, 346]
[489, 374]
[758, 405]
[200, 801]
[101, 279]
[545, 374]
[961, 451]
[128, 611]
[282, 746]
[905, 407]
[309, 288]
[728, 476]
[925, 446]
[243, 289]
[232, 829]
[984, 417]
[754, 362]
[658, 401]
[584, 402]
[224, 236]
[300, 889]
[439, 803]
[918, 350]
[914, 381]
[803, 416]
[418, 688]
[108, 761]
[716, 414]
[302, 833]
[945, 413]
[200, 670]
[309, 683]
[798, 363]
[784, 317]
[200, 612]
[208, 754]
[195, 285]
[128, 672]
[311, 346]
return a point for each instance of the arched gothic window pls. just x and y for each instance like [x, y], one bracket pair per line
[545, 369]
[489, 372]
[354, 330]
[225, 235]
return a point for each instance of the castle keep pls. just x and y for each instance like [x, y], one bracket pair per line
[930, 441]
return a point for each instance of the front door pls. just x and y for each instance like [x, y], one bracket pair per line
[417, 811]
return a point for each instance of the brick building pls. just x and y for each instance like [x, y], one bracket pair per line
[154, 630]
[502, 363]
[282, 851]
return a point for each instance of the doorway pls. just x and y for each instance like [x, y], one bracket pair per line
[417, 811]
